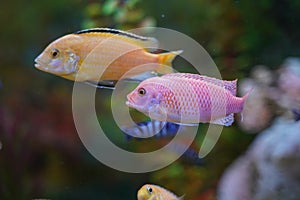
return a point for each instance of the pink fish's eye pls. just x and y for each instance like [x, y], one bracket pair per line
[54, 53]
[141, 91]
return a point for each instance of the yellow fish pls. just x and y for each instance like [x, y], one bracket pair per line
[85, 54]
[155, 192]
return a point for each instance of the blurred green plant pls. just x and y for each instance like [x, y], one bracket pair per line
[121, 14]
[238, 34]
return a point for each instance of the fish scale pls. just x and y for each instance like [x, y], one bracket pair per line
[188, 98]
[185, 101]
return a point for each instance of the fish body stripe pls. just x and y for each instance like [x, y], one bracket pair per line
[152, 128]
[112, 31]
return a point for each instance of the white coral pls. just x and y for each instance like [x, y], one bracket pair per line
[269, 170]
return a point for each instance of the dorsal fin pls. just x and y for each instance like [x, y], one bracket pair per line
[146, 42]
[228, 85]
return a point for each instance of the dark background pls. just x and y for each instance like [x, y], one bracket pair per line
[41, 154]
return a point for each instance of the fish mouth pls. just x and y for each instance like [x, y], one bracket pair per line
[142, 195]
[134, 106]
[38, 64]
[43, 67]
[129, 104]
[129, 101]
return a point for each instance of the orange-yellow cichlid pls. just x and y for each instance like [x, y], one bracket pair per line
[155, 192]
[85, 54]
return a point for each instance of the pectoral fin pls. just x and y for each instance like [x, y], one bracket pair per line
[156, 111]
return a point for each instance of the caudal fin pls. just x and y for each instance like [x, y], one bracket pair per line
[165, 61]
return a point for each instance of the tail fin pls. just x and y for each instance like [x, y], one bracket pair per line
[244, 99]
[165, 59]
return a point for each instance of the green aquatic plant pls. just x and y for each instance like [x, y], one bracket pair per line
[122, 14]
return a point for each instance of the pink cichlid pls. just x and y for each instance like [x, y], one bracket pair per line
[187, 99]
[155, 192]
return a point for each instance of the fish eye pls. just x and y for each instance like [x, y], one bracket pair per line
[54, 53]
[141, 91]
[149, 189]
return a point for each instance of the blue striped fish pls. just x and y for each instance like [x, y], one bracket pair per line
[149, 129]
[158, 129]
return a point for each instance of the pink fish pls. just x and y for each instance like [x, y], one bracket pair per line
[187, 99]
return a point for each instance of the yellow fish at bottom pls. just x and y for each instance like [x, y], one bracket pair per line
[86, 54]
[155, 192]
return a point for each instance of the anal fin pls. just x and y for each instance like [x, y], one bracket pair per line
[102, 84]
[141, 76]
[225, 121]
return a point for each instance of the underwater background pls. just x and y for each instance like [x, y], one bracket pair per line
[41, 155]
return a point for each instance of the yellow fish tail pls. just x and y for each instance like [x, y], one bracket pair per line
[165, 59]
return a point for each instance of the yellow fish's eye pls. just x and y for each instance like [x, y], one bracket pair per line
[149, 189]
[141, 91]
[54, 53]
